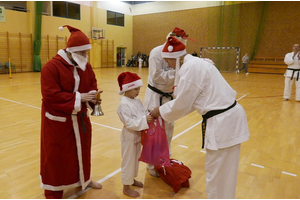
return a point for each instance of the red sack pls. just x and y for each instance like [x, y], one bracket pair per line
[177, 175]
[155, 145]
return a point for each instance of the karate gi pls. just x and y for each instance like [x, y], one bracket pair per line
[202, 88]
[66, 128]
[133, 115]
[291, 74]
[161, 77]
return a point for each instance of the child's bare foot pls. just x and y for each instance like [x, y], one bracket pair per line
[130, 192]
[138, 184]
[95, 185]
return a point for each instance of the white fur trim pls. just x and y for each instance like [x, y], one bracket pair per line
[170, 48]
[177, 54]
[79, 151]
[79, 48]
[61, 28]
[130, 86]
[55, 118]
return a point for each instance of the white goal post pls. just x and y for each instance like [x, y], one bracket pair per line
[222, 48]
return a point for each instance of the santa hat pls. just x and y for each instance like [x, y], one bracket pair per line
[78, 41]
[180, 35]
[128, 81]
[173, 48]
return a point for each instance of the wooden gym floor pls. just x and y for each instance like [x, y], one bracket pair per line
[269, 162]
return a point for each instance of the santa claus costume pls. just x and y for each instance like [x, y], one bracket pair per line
[202, 88]
[65, 125]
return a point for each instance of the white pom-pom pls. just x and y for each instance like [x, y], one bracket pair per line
[170, 48]
[61, 28]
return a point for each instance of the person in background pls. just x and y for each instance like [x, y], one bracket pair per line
[160, 85]
[245, 60]
[119, 59]
[202, 88]
[140, 62]
[68, 87]
[135, 119]
[292, 73]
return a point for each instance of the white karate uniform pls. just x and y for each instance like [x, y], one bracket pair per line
[133, 115]
[140, 62]
[202, 88]
[161, 77]
[293, 63]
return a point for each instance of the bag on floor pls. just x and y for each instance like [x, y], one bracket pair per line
[177, 175]
[155, 149]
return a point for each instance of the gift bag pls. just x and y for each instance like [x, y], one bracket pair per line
[155, 149]
[177, 175]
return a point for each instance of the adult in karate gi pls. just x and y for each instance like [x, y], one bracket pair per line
[68, 87]
[202, 88]
[135, 119]
[160, 85]
[292, 73]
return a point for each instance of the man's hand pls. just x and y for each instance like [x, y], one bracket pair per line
[155, 112]
[86, 97]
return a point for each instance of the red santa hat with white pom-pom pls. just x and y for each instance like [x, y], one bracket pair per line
[128, 81]
[173, 48]
[78, 41]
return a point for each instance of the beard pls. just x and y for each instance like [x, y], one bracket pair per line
[80, 60]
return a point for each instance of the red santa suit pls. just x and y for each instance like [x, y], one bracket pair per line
[66, 128]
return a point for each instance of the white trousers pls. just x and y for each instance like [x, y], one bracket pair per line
[288, 84]
[221, 168]
[131, 152]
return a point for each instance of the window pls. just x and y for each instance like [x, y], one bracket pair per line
[66, 9]
[114, 18]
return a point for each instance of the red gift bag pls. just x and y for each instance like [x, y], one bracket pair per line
[155, 145]
[177, 175]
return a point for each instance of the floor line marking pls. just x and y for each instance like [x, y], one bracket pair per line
[255, 165]
[183, 132]
[242, 96]
[117, 129]
[287, 173]
[20, 103]
[183, 146]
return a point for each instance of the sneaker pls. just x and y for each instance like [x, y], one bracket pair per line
[285, 99]
[237, 71]
[247, 73]
[152, 172]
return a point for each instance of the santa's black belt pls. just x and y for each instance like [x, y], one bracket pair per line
[294, 70]
[163, 94]
[209, 115]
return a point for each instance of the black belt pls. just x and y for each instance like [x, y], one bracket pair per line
[163, 94]
[209, 115]
[294, 70]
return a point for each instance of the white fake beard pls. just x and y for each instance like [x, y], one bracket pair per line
[80, 60]
[176, 81]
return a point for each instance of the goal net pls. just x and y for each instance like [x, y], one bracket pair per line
[226, 59]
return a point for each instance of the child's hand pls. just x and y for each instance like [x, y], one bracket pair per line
[149, 118]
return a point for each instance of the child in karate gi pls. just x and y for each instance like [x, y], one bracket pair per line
[135, 119]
